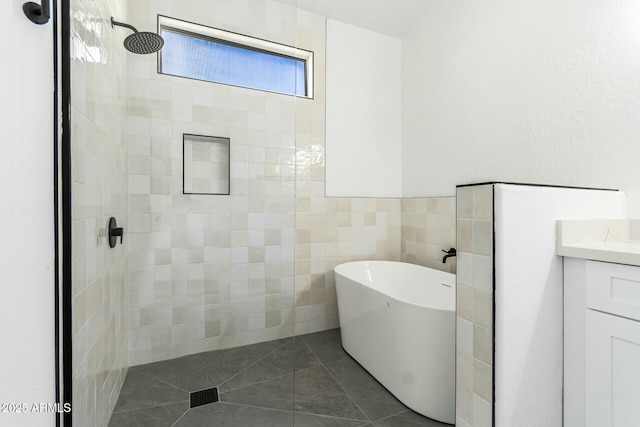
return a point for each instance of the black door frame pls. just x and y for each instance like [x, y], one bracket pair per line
[62, 204]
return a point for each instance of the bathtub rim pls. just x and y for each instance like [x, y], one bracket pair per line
[393, 297]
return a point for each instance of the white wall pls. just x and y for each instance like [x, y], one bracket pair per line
[363, 112]
[26, 214]
[529, 298]
[544, 91]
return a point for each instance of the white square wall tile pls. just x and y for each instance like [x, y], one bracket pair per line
[464, 371]
[140, 223]
[240, 255]
[139, 184]
[482, 412]
[464, 336]
[483, 202]
[256, 321]
[464, 202]
[483, 273]
[464, 404]
[483, 237]
[465, 268]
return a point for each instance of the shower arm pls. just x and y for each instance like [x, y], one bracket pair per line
[121, 24]
[37, 13]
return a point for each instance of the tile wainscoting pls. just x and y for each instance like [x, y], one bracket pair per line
[428, 227]
[474, 340]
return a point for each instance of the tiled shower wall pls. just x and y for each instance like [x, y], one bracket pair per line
[98, 116]
[474, 348]
[331, 231]
[212, 271]
[428, 228]
[209, 272]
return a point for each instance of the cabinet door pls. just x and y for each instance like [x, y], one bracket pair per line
[612, 371]
[614, 288]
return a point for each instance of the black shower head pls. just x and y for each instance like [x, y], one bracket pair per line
[143, 43]
[140, 42]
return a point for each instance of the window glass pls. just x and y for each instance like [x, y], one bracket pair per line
[202, 57]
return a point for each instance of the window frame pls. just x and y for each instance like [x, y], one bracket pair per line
[243, 41]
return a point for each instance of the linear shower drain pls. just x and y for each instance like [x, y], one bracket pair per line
[203, 397]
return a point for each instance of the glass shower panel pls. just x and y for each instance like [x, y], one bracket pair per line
[318, 398]
[200, 297]
[214, 291]
[98, 115]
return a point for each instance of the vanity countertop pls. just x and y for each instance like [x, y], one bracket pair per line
[608, 240]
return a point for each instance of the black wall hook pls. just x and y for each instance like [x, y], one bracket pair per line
[37, 13]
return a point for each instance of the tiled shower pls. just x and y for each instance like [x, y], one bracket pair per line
[205, 272]
[100, 190]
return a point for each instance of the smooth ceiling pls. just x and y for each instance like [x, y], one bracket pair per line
[391, 17]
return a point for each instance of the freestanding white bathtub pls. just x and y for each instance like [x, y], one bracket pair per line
[398, 321]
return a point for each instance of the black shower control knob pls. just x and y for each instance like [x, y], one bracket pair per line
[118, 232]
[114, 232]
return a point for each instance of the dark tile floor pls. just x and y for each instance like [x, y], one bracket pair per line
[304, 381]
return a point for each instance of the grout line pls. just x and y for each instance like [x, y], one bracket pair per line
[321, 364]
[252, 384]
[349, 357]
[254, 363]
[259, 407]
[162, 381]
[206, 366]
[337, 382]
[270, 379]
[331, 416]
[150, 407]
[293, 412]
[347, 393]
[393, 415]
[181, 417]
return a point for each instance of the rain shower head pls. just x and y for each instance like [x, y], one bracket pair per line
[140, 42]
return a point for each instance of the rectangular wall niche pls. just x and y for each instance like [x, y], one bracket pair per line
[206, 164]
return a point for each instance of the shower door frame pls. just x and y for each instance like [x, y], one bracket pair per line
[63, 203]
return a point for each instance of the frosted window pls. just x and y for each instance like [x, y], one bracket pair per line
[202, 57]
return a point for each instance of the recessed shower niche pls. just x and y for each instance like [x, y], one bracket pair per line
[206, 164]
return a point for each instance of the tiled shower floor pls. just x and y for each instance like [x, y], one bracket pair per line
[258, 387]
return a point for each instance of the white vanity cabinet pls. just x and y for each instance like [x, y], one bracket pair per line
[602, 344]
